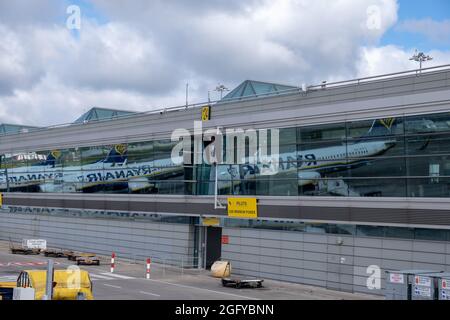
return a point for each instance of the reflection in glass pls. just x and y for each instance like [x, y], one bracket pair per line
[388, 157]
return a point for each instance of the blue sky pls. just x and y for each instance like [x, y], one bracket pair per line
[438, 10]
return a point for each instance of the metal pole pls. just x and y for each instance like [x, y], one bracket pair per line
[49, 281]
[187, 94]
[205, 246]
[215, 186]
[200, 248]
[182, 266]
[217, 204]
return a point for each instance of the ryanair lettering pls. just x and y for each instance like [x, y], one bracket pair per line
[34, 177]
[119, 174]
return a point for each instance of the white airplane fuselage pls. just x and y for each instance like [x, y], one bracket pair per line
[308, 164]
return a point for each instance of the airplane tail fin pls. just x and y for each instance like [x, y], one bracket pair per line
[51, 159]
[381, 127]
[117, 155]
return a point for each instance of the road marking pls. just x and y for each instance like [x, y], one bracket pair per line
[99, 277]
[110, 285]
[117, 275]
[190, 287]
[23, 264]
[150, 294]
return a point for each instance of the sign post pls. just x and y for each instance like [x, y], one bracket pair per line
[148, 268]
[49, 281]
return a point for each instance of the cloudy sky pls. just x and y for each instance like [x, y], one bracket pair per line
[139, 54]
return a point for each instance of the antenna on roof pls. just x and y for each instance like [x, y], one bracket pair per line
[420, 57]
[221, 88]
[187, 94]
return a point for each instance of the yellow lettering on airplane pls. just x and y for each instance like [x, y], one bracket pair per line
[387, 122]
[120, 148]
[56, 153]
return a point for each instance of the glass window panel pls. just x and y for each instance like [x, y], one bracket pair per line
[429, 187]
[170, 187]
[370, 231]
[375, 127]
[428, 123]
[378, 167]
[341, 229]
[376, 187]
[428, 166]
[432, 234]
[163, 148]
[326, 150]
[373, 147]
[399, 232]
[273, 187]
[287, 137]
[324, 132]
[231, 187]
[427, 144]
[324, 187]
[91, 157]
[71, 158]
[140, 152]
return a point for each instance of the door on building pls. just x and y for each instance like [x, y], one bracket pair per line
[213, 245]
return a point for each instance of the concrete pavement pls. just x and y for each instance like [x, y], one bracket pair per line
[167, 282]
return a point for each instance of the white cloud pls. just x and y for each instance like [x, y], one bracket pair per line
[53, 102]
[148, 50]
[390, 59]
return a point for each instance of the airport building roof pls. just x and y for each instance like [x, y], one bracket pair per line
[251, 88]
[95, 114]
[6, 128]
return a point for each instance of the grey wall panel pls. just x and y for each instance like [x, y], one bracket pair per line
[322, 262]
[397, 244]
[397, 255]
[129, 239]
[430, 247]
[437, 258]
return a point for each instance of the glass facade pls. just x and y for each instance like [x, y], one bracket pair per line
[393, 157]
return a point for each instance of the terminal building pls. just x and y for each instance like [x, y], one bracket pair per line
[362, 181]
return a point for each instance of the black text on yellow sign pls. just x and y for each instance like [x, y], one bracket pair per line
[210, 221]
[206, 113]
[242, 208]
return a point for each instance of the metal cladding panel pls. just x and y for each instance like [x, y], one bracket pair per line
[331, 271]
[88, 234]
[402, 213]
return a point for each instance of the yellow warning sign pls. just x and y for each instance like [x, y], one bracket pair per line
[1, 199]
[206, 113]
[242, 208]
[210, 221]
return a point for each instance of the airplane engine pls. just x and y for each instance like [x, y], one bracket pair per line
[136, 184]
[308, 177]
[51, 187]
